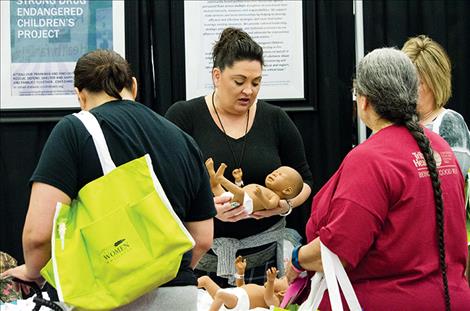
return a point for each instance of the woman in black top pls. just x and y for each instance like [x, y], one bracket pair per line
[106, 88]
[230, 125]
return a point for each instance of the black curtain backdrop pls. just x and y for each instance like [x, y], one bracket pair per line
[391, 23]
[20, 148]
[329, 52]
[155, 50]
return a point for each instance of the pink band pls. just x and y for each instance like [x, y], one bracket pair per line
[295, 269]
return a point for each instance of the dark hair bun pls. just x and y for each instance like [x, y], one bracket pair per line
[103, 70]
[234, 45]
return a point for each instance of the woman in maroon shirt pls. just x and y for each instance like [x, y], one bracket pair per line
[394, 211]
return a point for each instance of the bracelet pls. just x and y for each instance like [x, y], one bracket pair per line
[295, 260]
[296, 270]
[289, 210]
[239, 276]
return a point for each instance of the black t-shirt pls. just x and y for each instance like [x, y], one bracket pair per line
[69, 160]
[272, 141]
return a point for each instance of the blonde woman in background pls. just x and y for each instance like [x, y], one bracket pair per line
[435, 88]
[434, 70]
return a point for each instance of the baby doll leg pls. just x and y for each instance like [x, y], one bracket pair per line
[229, 300]
[219, 182]
[220, 297]
[210, 286]
[238, 193]
[213, 175]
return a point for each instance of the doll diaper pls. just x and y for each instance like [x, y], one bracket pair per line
[243, 303]
[247, 201]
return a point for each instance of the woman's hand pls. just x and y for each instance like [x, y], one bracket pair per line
[291, 274]
[21, 272]
[227, 213]
[282, 208]
[266, 213]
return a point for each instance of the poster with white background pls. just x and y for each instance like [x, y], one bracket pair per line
[276, 25]
[41, 42]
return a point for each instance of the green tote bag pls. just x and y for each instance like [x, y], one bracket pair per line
[119, 239]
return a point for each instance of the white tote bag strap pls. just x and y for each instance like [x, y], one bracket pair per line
[317, 289]
[327, 259]
[96, 132]
[333, 269]
[319, 295]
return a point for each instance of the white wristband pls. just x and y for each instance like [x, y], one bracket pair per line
[289, 210]
[239, 276]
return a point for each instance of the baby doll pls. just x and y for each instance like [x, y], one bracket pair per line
[245, 296]
[282, 183]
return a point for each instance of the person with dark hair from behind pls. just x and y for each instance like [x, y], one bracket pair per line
[434, 70]
[106, 88]
[394, 210]
[253, 138]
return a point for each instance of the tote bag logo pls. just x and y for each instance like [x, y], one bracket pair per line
[116, 250]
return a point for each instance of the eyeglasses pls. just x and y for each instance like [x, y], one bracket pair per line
[354, 90]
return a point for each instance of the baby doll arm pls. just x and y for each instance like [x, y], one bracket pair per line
[267, 197]
[238, 174]
[269, 297]
[240, 266]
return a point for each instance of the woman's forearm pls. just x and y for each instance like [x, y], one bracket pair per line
[36, 255]
[38, 226]
[310, 256]
[302, 196]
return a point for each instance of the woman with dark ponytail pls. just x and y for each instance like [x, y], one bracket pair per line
[394, 210]
[106, 88]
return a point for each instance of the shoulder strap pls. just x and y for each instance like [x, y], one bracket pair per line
[96, 132]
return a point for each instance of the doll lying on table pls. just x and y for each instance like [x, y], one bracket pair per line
[283, 183]
[245, 296]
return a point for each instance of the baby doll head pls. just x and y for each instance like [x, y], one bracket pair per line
[285, 182]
